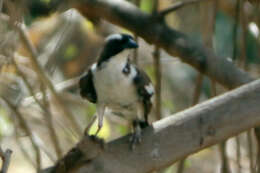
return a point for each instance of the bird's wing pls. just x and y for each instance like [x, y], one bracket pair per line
[143, 84]
[87, 88]
[145, 90]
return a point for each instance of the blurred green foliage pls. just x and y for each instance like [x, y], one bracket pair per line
[147, 5]
[223, 38]
[70, 52]
[168, 104]
[105, 131]
[123, 130]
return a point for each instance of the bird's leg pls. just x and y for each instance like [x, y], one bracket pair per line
[136, 137]
[89, 125]
[143, 124]
[100, 115]
[99, 128]
[142, 112]
[138, 125]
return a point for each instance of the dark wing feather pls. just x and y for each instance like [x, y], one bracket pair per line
[87, 88]
[141, 80]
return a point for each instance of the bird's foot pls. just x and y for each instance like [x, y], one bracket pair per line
[136, 137]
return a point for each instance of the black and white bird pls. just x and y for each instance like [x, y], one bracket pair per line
[114, 82]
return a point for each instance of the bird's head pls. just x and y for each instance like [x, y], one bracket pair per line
[121, 41]
[116, 43]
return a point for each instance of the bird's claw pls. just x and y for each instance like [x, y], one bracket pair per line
[135, 139]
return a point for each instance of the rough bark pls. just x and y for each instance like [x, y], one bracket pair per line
[171, 138]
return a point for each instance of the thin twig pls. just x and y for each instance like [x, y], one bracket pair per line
[49, 119]
[243, 63]
[238, 154]
[1, 5]
[44, 78]
[177, 6]
[27, 130]
[212, 26]
[197, 90]
[235, 30]
[65, 85]
[224, 159]
[181, 163]
[243, 22]
[234, 55]
[135, 55]
[250, 151]
[158, 74]
[257, 134]
[45, 149]
[28, 43]
[157, 68]
[6, 158]
[22, 148]
[45, 109]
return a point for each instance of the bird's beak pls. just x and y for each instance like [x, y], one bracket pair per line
[132, 44]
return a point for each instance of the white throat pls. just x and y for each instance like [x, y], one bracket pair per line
[109, 78]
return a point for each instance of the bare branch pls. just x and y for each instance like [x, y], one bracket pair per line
[175, 137]
[23, 150]
[49, 119]
[6, 157]
[158, 74]
[1, 5]
[64, 85]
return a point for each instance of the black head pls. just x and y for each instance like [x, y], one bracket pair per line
[122, 41]
[116, 43]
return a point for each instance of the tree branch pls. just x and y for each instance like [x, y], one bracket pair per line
[171, 138]
[155, 31]
[6, 157]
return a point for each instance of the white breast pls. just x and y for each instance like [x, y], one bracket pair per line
[113, 87]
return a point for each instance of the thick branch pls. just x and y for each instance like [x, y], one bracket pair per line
[174, 137]
[155, 31]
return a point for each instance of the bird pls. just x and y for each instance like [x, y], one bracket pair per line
[114, 82]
